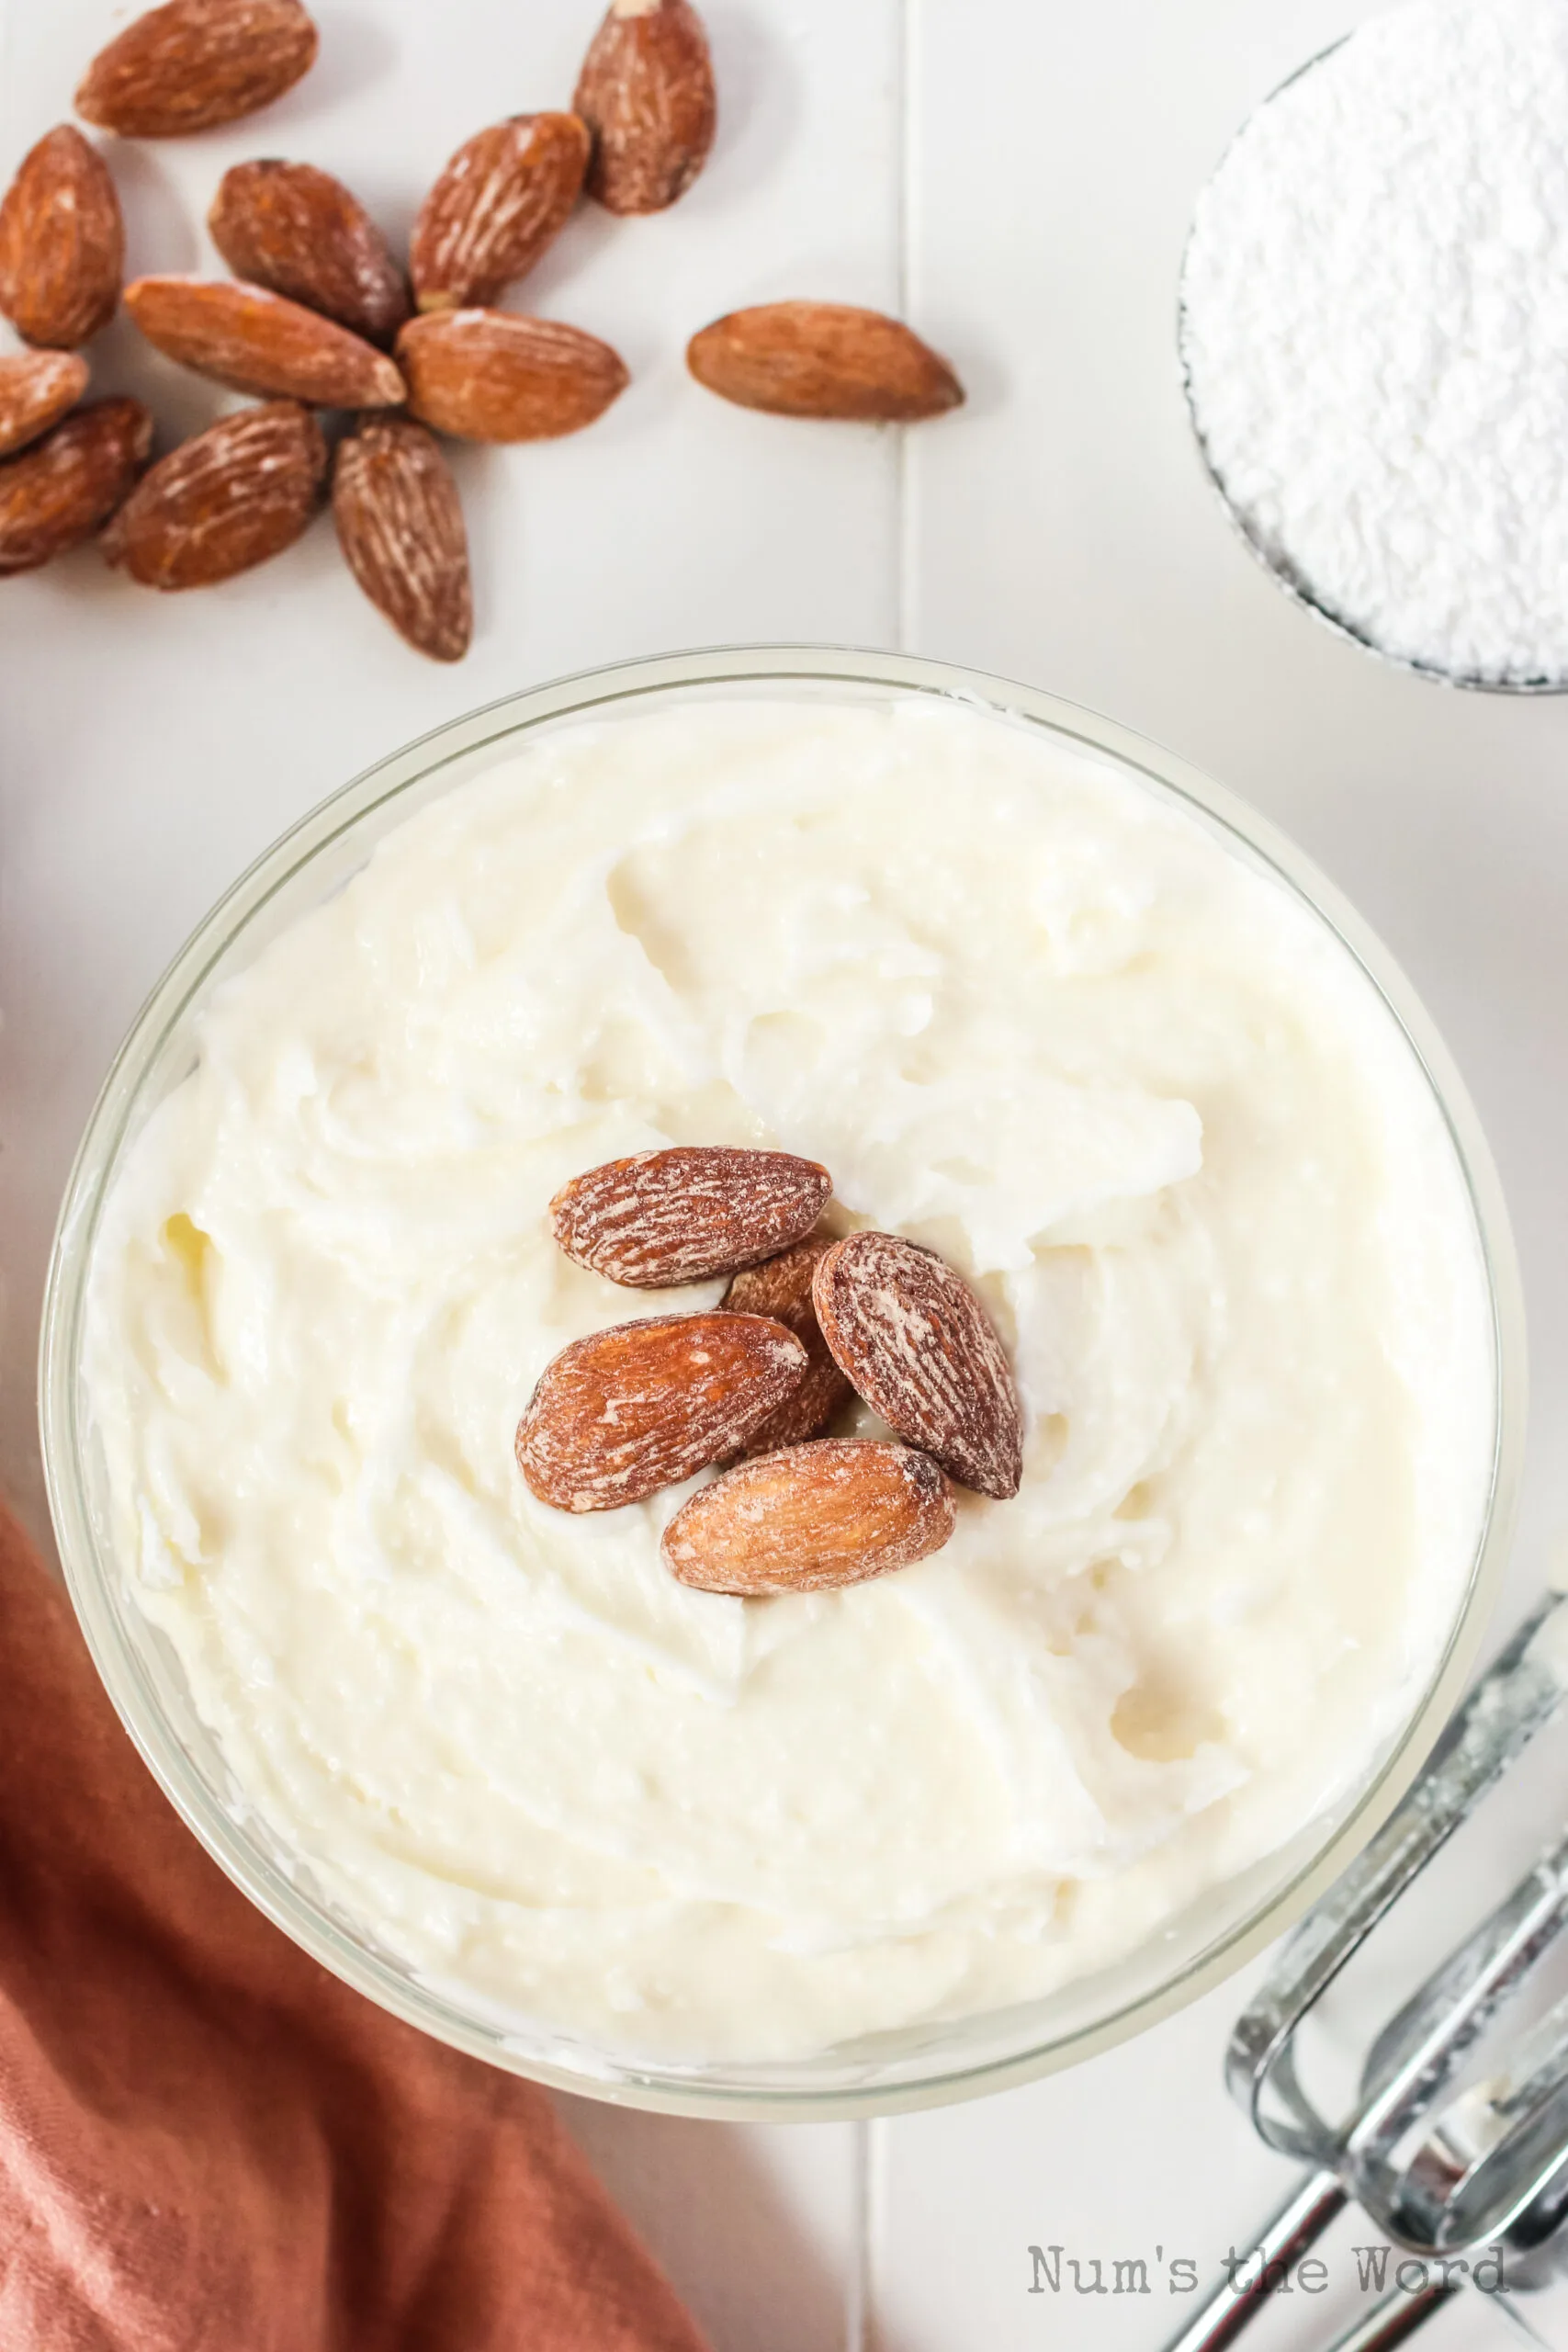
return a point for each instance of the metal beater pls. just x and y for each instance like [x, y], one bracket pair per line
[1443, 2167]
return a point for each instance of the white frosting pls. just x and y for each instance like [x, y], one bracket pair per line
[1025, 1010]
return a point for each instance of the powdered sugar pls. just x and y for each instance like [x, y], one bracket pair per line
[1375, 334]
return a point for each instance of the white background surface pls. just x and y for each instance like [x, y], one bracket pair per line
[1017, 175]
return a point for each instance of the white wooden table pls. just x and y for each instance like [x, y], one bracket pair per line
[1016, 175]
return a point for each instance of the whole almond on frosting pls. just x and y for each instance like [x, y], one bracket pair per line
[300, 233]
[623, 1412]
[257, 342]
[496, 375]
[810, 1519]
[823, 359]
[227, 499]
[506, 193]
[921, 1349]
[781, 1287]
[59, 490]
[399, 524]
[678, 1216]
[61, 242]
[197, 64]
[646, 92]
[36, 389]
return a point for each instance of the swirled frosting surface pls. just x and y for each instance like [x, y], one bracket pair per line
[1025, 1010]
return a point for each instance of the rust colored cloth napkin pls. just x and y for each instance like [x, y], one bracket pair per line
[208, 2143]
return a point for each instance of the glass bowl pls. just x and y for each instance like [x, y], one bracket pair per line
[911, 2067]
[1276, 564]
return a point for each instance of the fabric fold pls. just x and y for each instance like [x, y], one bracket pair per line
[207, 2142]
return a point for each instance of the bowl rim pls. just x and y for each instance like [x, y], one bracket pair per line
[89, 1575]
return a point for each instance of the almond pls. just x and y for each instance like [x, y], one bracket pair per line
[506, 193]
[678, 1216]
[823, 359]
[623, 1412]
[36, 389]
[235, 495]
[197, 64]
[493, 376]
[259, 341]
[811, 1518]
[61, 242]
[297, 232]
[781, 1287]
[646, 92]
[918, 1346]
[399, 524]
[58, 492]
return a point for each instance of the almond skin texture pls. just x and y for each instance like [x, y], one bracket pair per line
[399, 524]
[61, 242]
[646, 92]
[234, 495]
[664, 1217]
[257, 342]
[36, 389]
[623, 1412]
[300, 233]
[823, 359]
[493, 376]
[506, 193]
[197, 64]
[811, 1519]
[921, 1349]
[58, 492]
[781, 1287]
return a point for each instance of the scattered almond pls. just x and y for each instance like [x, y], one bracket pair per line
[36, 389]
[234, 495]
[196, 63]
[399, 524]
[823, 359]
[493, 376]
[918, 1346]
[300, 233]
[259, 341]
[623, 1412]
[58, 492]
[646, 92]
[61, 242]
[810, 1519]
[506, 193]
[781, 1287]
[678, 1216]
